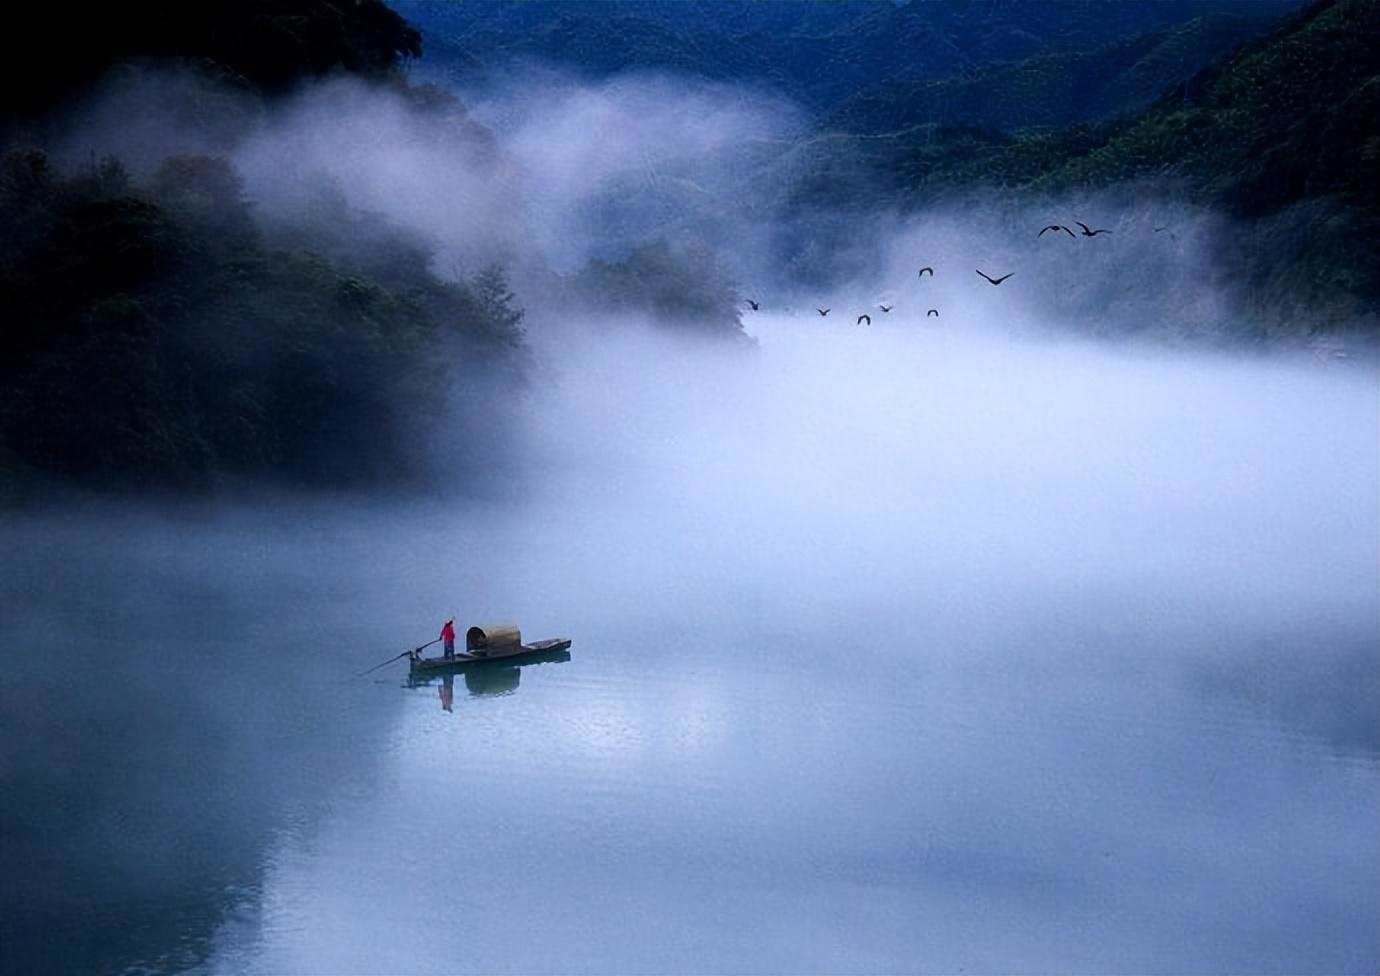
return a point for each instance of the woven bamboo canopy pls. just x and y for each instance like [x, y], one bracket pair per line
[491, 637]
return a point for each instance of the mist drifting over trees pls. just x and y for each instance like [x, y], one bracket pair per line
[318, 244]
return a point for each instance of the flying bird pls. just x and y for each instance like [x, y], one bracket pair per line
[1057, 227]
[822, 311]
[861, 318]
[996, 281]
[755, 305]
[923, 270]
[886, 308]
[933, 311]
[1089, 232]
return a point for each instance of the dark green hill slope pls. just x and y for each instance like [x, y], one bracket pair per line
[154, 338]
[1286, 134]
[1051, 89]
[817, 53]
[160, 334]
[1288, 116]
[1293, 115]
[1280, 135]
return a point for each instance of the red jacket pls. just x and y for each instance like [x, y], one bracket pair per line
[448, 631]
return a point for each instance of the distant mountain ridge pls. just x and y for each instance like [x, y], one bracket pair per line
[159, 330]
[1051, 88]
[818, 53]
[1282, 135]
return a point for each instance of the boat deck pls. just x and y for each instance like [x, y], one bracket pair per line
[543, 650]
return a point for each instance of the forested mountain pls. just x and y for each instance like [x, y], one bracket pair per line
[1253, 112]
[157, 332]
[819, 53]
[1118, 77]
[1279, 134]
[1266, 123]
[161, 328]
[1281, 116]
[154, 337]
[1292, 115]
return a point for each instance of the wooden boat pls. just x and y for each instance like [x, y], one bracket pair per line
[499, 642]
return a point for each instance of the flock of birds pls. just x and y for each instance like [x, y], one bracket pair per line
[865, 319]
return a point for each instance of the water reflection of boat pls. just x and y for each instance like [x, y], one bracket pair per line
[485, 676]
[479, 682]
[486, 645]
[492, 681]
[488, 668]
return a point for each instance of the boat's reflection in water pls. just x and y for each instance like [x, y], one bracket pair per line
[483, 678]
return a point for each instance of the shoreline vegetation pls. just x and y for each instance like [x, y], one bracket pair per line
[162, 332]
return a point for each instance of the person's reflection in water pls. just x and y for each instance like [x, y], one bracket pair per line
[447, 692]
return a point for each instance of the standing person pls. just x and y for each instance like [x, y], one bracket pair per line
[448, 635]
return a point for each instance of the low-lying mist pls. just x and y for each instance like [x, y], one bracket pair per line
[966, 485]
[1003, 490]
[972, 447]
[1048, 514]
[546, 173]
[980, 458]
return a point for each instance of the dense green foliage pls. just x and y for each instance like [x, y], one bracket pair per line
[1052, 88]
[1280, 134]
[1293, 115]
[152, 337]
[819, 53]
[682, 284]
[920, 103]
[1284, 117]
[160, 331]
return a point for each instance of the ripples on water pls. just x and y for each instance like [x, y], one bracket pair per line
[788, 808]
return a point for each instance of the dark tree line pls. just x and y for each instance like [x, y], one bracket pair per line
[159, 333]
[680, 284]
[152, 337]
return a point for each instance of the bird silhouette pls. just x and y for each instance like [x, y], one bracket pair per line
[1089, 232]
[822, 311]
[1057, 227]
[923, 270]
[862, 318]
[996, 281]
[886, 308]
[933, 311]
[755, 305]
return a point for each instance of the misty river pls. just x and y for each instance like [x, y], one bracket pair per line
[892, 652]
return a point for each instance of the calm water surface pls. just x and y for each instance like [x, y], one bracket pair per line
[778, 746]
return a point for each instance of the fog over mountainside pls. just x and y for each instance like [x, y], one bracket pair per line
[315, 245]
[966, 511]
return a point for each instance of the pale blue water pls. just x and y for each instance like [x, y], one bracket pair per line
[781, 744]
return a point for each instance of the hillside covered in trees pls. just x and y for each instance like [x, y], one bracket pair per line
[159, 333]
[1258, 115]
[1279, 135]
[821, 54]
[164, 328]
